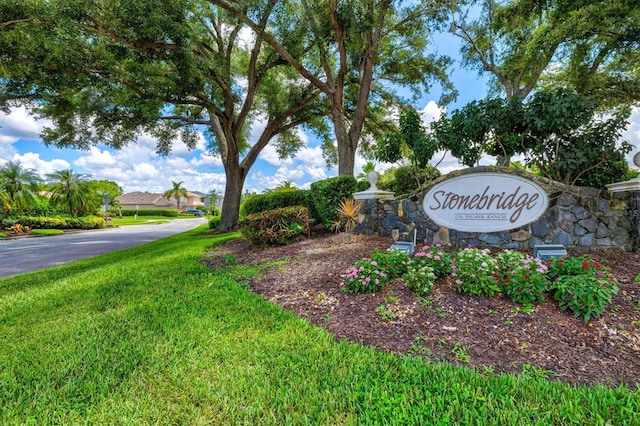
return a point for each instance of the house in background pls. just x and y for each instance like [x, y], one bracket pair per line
[149, 201]
[144, 201]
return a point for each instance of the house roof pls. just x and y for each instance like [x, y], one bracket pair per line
[144, 198]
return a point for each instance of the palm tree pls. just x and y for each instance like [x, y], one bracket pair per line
[213, 197]
[285, 186]
[5, 202]
[69, 190]
[18, 185]
[366, 169]
[176, 192]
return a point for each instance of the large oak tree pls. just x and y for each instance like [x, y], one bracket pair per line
[105, 71]
[357, 52]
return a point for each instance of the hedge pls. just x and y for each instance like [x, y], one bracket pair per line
[167, 213]
[42, 222]
[326, 195]
[274, 200]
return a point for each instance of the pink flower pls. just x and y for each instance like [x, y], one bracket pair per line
[429, 255]
[436, 257]
[458, 281]
[374, 263]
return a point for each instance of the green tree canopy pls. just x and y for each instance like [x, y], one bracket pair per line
[559, 132]
[98, 189]
[590, 46]
[109, 71]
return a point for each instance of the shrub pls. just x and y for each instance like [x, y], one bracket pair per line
[91, 222]
[582, 285]
[473, 272]
[19, 229]
[86, 222]
[507, 260]
[276, 227]
[273, 200]
[433, 256]
[214, 222]
[393, 261]
[420, 280]
[526, 281]
[366, 276]
[325, 195]
[407, 179]
[347, 215]
[166, 212]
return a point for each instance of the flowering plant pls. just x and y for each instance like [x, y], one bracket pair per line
[393, 261]
[526, 281]
[473, 272]
[582, 285]
[434, 257]
[420, 280]
[573, 266]
[508, 260]
[366, 276]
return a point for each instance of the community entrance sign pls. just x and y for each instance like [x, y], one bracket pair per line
[485, 202]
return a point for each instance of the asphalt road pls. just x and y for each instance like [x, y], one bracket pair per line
[22, 255]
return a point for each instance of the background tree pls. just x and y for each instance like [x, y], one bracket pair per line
[107, 72]
[410, 141]
[366, 169]
[559, 132]
[213, 197]
[348, 50]
[19, 186]
[97, 189]
[70, 191]
[591, 47]
[178, 191]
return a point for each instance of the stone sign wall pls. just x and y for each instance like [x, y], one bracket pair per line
[577, 217]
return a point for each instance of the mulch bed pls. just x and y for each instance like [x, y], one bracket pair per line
[491, 334]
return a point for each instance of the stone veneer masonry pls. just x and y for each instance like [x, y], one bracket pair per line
[579, 218]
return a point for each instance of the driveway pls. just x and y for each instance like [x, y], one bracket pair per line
[22, 255]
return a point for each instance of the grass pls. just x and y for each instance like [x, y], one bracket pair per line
[47, 231]
[145, 220]
[149, 335]
[141, 220]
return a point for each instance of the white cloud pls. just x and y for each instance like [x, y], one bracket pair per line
[19, 124]
[632, 135]
[431, 112]
[270, 155]
[32, 160]
[96, 159]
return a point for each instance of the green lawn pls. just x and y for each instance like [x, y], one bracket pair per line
[145, 220]
[149, 335]
[140, 220]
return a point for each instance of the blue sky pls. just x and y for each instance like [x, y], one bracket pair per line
[138, 168]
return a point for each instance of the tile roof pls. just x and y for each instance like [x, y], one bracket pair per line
[145, 198]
